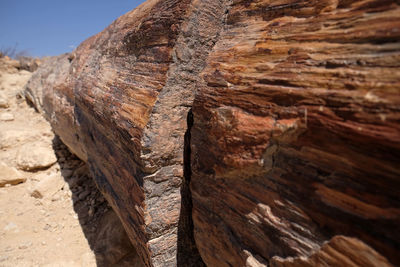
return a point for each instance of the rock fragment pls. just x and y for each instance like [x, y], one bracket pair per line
[25, 245]
[3, 101]
[11, 226]
[10, 175]
[48, 186]
[14, 137]
[35, 156]
[6, 117]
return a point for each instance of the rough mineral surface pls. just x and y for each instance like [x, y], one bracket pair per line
[296, 136]
[291, 152]
[120, 102]
[31, 157]
[9, 175]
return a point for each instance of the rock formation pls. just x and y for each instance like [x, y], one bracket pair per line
[296, 134]
[120, 103]
[290, 153]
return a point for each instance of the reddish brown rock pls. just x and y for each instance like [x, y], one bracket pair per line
[339, 251]
[120, 102]
[292, 149]
[296, 136]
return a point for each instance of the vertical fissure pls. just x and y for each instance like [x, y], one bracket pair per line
[187, 252]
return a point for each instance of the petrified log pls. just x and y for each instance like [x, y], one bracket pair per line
[296, 136]
[120, 102]
[291, 152]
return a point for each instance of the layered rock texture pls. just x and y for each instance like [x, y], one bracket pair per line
[290, 156]
[120, 102]
[296, 135]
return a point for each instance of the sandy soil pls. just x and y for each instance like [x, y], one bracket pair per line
[57, 217]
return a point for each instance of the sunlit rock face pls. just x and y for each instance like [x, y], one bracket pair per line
[290, 154]
[120, 102]
[296, 136]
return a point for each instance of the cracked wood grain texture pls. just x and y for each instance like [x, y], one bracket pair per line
[120, 102]
[290, 154]
[296, 136]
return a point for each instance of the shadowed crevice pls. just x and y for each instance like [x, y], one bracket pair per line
[187, 252]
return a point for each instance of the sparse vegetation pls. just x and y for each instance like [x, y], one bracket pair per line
[13, 52]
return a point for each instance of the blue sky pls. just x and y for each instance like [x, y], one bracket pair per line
[52, 27]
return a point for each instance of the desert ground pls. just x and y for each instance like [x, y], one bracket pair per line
[51, 213]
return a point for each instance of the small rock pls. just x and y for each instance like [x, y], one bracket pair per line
[9, 175]
[91, 212]
[35, 156]
[14, 137]
[10, 226]
[82, 170]
[55, 198]
[25, 245]
[6, 117]
[3, 101]
[3, 258]
[83, 195]
[66, 173]
[48, 186]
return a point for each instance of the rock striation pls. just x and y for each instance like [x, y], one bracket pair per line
[296, 136]
[289, 156]
[120, 103]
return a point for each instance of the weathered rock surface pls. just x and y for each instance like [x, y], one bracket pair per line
[292, 148]
[120, 102]
[35, 156]
[48, 186]
[340, 251]
[16, 135]
[9, 175]
[6, 117]
[3, 101]
[296, 136]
